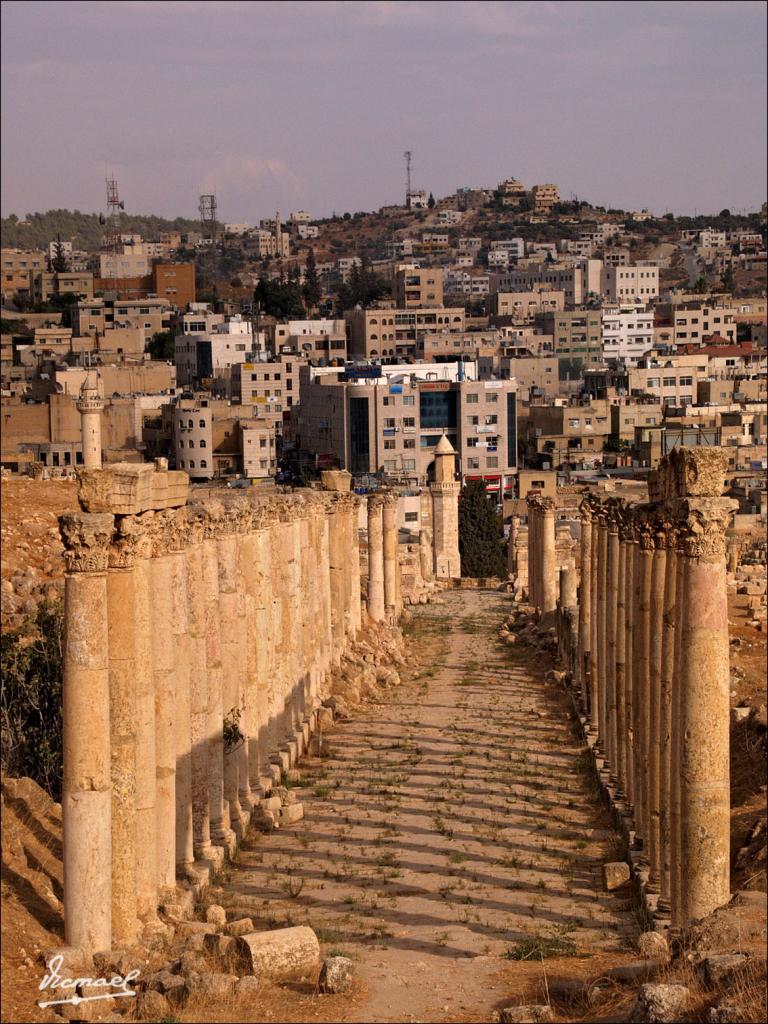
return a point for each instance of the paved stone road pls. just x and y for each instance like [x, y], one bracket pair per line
[443, 827]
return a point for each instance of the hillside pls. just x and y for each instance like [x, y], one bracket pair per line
[82, 229]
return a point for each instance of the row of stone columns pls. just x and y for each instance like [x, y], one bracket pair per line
[196, 644]
[651, 663]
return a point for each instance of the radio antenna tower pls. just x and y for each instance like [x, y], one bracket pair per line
[407, 155]
[112, 234]
[207, 210]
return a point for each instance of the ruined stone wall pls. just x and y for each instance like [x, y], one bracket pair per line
[646, 645]
[200, 639]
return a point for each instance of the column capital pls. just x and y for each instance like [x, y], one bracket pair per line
[169, 532]
[390, 500]
[87, 537]
[375, 502]
[701, 527]
[132, 540]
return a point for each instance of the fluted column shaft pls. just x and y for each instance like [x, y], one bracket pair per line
[594, 677]
[705, 770]
[548, 559]
[198, 683]
[183, 716]
[164, 670]
[585, 604]
[87, 785]
[620, 764]
[389, 524]
[376, 605]
[666, 711]
[611, 628]
[658, 575]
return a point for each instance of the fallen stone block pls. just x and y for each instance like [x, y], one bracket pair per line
[723, 1015]
[291, 814]
[186, 928]
[653, 946]
[210, 986]
[243, 926]
[283, 953]
[660, 1004]
[615, 874]
[335, 975]
[222, 946]
[167, 984]
[216, 915]
[530, 1014]
[247, 987]
[638, 970]
[152, 1005]
[718, 969]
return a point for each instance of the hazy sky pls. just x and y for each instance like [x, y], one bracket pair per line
[311, 105]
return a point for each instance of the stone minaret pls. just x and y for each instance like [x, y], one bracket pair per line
[445, 512]
[89, 405]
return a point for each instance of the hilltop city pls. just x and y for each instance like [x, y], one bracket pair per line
[541, 334]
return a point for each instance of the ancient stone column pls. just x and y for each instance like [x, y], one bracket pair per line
[630, 674]
[568, 588]
[533, 560]
[390, 553]
[642, 689]
[676, 742]
[585, 602]
[548, 559]
[353, 503]
[602, 621]
[514, 526]
[611, 629]
[425, 555]
[232, 698]
[183, 721]
[198, 682]
[123, 629]
[376, 604]
[594, 679]
[144, 710]
[161, 579]
[87, 798]
[658, 577]
[666, 711]
[445, 512]
[704, 765]
[220, 831]
[338, 556]
[621, 659]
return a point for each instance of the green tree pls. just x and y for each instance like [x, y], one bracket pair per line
[162, 345]
[59, 262]
[727, 280]
[311, 291]
[700, 285]
[30, 699]
[431, 201]
[481, 541]
[279, 298]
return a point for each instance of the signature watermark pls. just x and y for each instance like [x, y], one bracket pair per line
[55, 982]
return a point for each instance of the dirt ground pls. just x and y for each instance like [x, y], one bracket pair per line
[443, 830]
[29, 529]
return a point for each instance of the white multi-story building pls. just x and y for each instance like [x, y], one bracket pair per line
[203, 355]
[627, 333]
[577, 279]
[66, 251]
[236, 229]
[307, 230]
[448, 218]
[630, 284]
[513, 247]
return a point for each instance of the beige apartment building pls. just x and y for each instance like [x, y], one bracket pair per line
[44, 284]
[258, 449]
[577, 280]
[577, 334]
[418, 288]
[626, 417]
[544, 198]
[443, 346]
[97, 316]
[393, 422]
[522, 307]
[314, 339]
[674, 385]
[569, 432]
[696, 321]
[389, 333]
[630, 284]
[18, 265]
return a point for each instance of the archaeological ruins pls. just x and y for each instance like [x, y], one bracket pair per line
[202, 638]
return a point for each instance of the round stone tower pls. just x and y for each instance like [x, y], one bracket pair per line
[89, 405]
[445, 512]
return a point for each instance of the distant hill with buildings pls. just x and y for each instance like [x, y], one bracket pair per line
[84, 230]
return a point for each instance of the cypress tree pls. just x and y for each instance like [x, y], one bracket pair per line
[481, 537]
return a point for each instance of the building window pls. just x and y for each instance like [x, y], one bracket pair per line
[389, 445]
[409, 442]
[492, 462]
[202, 444]
[202, 423]
[409, 465]
[203, 464]
[389, 423]
[409, 400]
[191, 464]
[472, 399]
[409, 421]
